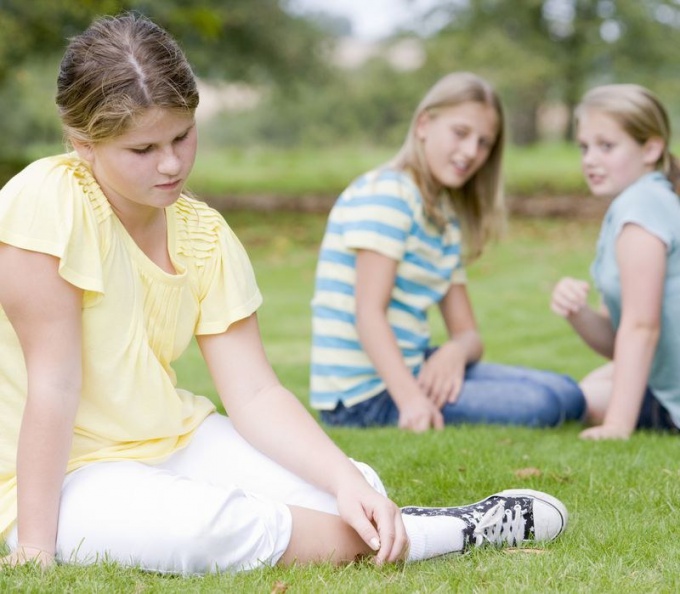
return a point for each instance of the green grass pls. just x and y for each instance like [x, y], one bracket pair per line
[622, 496]
[544, 169]
[290, 172]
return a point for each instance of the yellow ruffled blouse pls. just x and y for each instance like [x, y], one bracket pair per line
[137, 319]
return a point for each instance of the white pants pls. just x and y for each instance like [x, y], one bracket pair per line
[216, 505]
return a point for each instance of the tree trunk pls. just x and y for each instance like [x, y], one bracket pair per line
[523, 123]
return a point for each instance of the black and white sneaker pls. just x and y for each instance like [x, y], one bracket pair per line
[510, 517]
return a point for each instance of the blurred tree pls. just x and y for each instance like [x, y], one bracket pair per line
[368, 105]
[249, 40]
[252, 40]
[243, 39]
[555, 49]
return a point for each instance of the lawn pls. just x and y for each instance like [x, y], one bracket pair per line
[541, 169]
[621, 496]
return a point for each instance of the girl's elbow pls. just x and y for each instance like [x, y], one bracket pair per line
[365, 316]
[645, 330]
[479, 352]
[651, 327]
[476, 348]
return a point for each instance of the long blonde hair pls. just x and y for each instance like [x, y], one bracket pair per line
[479, 204]
[641, 115]
[114, 71]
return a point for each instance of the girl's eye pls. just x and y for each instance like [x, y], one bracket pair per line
[460, 132]
[582, 147]
[142, 151]
[182, 137]
[606, 146]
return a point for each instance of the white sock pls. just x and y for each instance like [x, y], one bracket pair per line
[431, 536]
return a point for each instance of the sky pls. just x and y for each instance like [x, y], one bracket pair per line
[371, 19]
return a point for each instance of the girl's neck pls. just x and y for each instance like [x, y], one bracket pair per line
[140, 220]
[149, 232]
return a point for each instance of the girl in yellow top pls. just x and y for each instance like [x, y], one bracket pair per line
[109, 271]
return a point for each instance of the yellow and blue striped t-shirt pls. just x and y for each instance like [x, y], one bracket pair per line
[381, 211]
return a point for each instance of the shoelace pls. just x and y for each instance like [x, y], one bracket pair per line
[492, 528]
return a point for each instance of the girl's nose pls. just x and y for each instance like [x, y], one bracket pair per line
[587, 156]
[471, 146]
[169, 163]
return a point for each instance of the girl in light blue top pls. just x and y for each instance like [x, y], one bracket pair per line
[624, 135]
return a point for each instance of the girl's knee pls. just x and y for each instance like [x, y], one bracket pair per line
[543, 409]
[564, 393]
[555, 406]
[371, 476]
[140, 516]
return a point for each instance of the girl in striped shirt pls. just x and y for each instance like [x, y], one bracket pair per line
[396, 244]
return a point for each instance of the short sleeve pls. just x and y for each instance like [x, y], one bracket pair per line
[227, 289]
[459, 275]
[376, 213]
[49, 208]
[651, 205]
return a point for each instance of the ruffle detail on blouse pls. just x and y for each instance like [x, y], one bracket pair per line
[101, 208]
[227, 290]
[199, 228]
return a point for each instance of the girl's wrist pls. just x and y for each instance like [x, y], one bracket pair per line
[458, 350]
[620, 421]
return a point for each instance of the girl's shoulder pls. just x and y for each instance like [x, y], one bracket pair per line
[202, 232]
[386, 175]
[384, 181]
[650, 202]
[196, 215]
[649, 199]
[54, 206]
[58, 183]
[52, 189]
[650, 190]
[51, 168]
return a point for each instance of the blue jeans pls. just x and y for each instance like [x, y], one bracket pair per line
[653, 415]
[491, 394]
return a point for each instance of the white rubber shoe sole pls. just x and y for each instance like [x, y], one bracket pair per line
[550, 514]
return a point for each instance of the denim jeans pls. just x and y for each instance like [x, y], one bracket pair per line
[491, 394]
[654, 416]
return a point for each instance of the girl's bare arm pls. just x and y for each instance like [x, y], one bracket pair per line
[45, 312]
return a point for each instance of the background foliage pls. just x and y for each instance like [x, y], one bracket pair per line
[247, 40]
[540, 54]
[536, 50]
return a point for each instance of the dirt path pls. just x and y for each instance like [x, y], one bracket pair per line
[573, 207]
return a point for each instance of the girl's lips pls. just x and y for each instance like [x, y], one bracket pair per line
[169, 186]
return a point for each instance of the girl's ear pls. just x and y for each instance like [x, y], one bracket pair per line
[84, 150]
[421, 125]
[653, 149]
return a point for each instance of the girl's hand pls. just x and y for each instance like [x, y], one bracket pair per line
[376, 519]
[441, 376]
[606, 432]
[569, 296]
[420, 414]
[27, 554]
